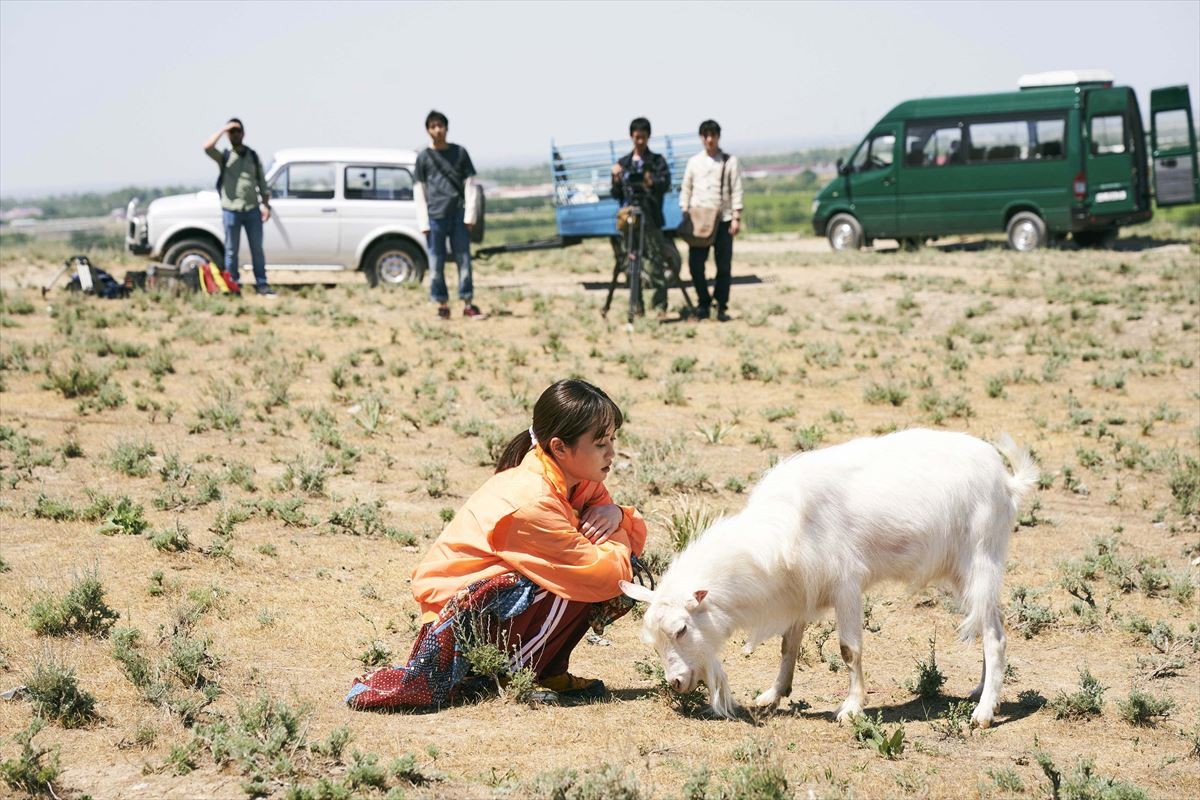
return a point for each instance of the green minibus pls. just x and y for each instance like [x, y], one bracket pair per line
[1066, 154]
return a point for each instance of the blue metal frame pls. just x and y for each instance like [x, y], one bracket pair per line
[582, 176]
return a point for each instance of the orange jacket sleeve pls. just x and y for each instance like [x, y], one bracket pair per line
[632, 523]
[540, 542]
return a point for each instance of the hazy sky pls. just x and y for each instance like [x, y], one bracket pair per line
[101, 94]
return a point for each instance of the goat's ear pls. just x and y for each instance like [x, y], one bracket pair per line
[696, 599]
[637, 591]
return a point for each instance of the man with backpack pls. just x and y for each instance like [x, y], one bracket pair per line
[242, 188]
[447, 209]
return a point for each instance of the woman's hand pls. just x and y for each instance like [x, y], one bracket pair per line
[599, 523]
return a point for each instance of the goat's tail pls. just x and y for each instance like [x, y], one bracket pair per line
[981, 595]
[1024, 468]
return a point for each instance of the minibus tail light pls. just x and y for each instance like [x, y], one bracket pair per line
[1079, 187]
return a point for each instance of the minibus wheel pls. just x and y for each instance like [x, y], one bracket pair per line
[844, 232]
[1026, 231]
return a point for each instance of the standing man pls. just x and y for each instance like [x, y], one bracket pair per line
[446, 209]
[713, 179]
[242, 189]
[644, 177]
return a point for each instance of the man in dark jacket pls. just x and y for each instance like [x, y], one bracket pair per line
[644, 176]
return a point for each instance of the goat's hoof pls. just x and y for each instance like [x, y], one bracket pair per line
[848, 711]
[981, 720]
[768, 699]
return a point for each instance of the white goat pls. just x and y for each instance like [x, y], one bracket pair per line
[918, 506]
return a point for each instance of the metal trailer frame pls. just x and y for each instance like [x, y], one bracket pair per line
[582, 177]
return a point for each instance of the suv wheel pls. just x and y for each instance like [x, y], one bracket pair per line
[189, 254]
[1026, 232]
[393, 263]
[844, 232]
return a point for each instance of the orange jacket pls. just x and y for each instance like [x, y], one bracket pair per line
[523, 519]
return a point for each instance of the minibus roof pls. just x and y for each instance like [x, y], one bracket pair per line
[1042, 99]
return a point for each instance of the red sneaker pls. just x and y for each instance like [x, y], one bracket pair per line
[471, 311]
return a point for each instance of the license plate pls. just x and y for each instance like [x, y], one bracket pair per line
[1111, 197]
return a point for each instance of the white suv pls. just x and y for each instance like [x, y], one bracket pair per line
[331, 209]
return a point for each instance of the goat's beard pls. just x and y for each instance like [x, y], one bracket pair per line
[719, 696]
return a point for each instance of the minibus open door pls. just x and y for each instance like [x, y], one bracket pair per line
[1173, 147]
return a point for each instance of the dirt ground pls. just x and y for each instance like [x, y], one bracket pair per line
[337, 396]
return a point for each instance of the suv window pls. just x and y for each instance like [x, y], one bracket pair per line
[378, 183]
[306, 181]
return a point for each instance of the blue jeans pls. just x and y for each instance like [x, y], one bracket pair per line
[455, 229]
[252, 221]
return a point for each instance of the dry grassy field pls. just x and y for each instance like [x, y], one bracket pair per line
[211, 508]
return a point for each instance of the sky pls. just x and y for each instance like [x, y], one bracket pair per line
[97, 95]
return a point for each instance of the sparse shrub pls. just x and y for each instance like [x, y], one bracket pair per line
[56, 510]
[55, 693]
[79, 380]
[130, 458]
[879, 394]
[929, 680]
[125, 517]
[954, 721]
[360, 519]
[691, 704]
[434, 475]
[171, 540]
[1184, 482]
[805, 439]
[223, 411]
[1087, 702]
[871, 733]
[1007, 780]
[1143, 708]
[82, 610]
[1027, 616]
[31, 772]
[608, 782]
[689, 516]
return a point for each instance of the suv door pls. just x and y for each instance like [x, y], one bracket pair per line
[374, 195]
[1173, 147]
[303, 229]
[871, 182]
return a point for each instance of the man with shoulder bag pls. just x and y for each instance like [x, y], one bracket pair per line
[245, 201]
[447, 209]
[711, 200]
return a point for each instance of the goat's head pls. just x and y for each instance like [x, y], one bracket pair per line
[682, 632]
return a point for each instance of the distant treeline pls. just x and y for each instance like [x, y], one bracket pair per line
[525, 176]
[98, 204]
[90, 204]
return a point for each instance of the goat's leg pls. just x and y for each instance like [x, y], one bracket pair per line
[993, 669]
[788, 652]
[848, 609]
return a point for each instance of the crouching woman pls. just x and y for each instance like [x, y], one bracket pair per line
[529, 563]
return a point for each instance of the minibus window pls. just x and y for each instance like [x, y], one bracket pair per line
[1108, 134]
[999, 141]
[874, 154]
[1171, 129]
[933, 145]
[1048, 138]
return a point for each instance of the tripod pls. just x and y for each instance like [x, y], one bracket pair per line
[629, 254]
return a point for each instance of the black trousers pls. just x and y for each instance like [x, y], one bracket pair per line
[697, 256]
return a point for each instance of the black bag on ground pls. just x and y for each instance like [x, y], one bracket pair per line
[91, 279]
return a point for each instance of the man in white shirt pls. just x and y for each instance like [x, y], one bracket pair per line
[713, 179]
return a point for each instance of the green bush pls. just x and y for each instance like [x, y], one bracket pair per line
[55, 694]
[82, 610]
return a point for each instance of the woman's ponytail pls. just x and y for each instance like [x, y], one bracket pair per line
[514, 452]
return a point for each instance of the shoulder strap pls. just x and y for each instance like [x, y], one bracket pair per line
[449, 172]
